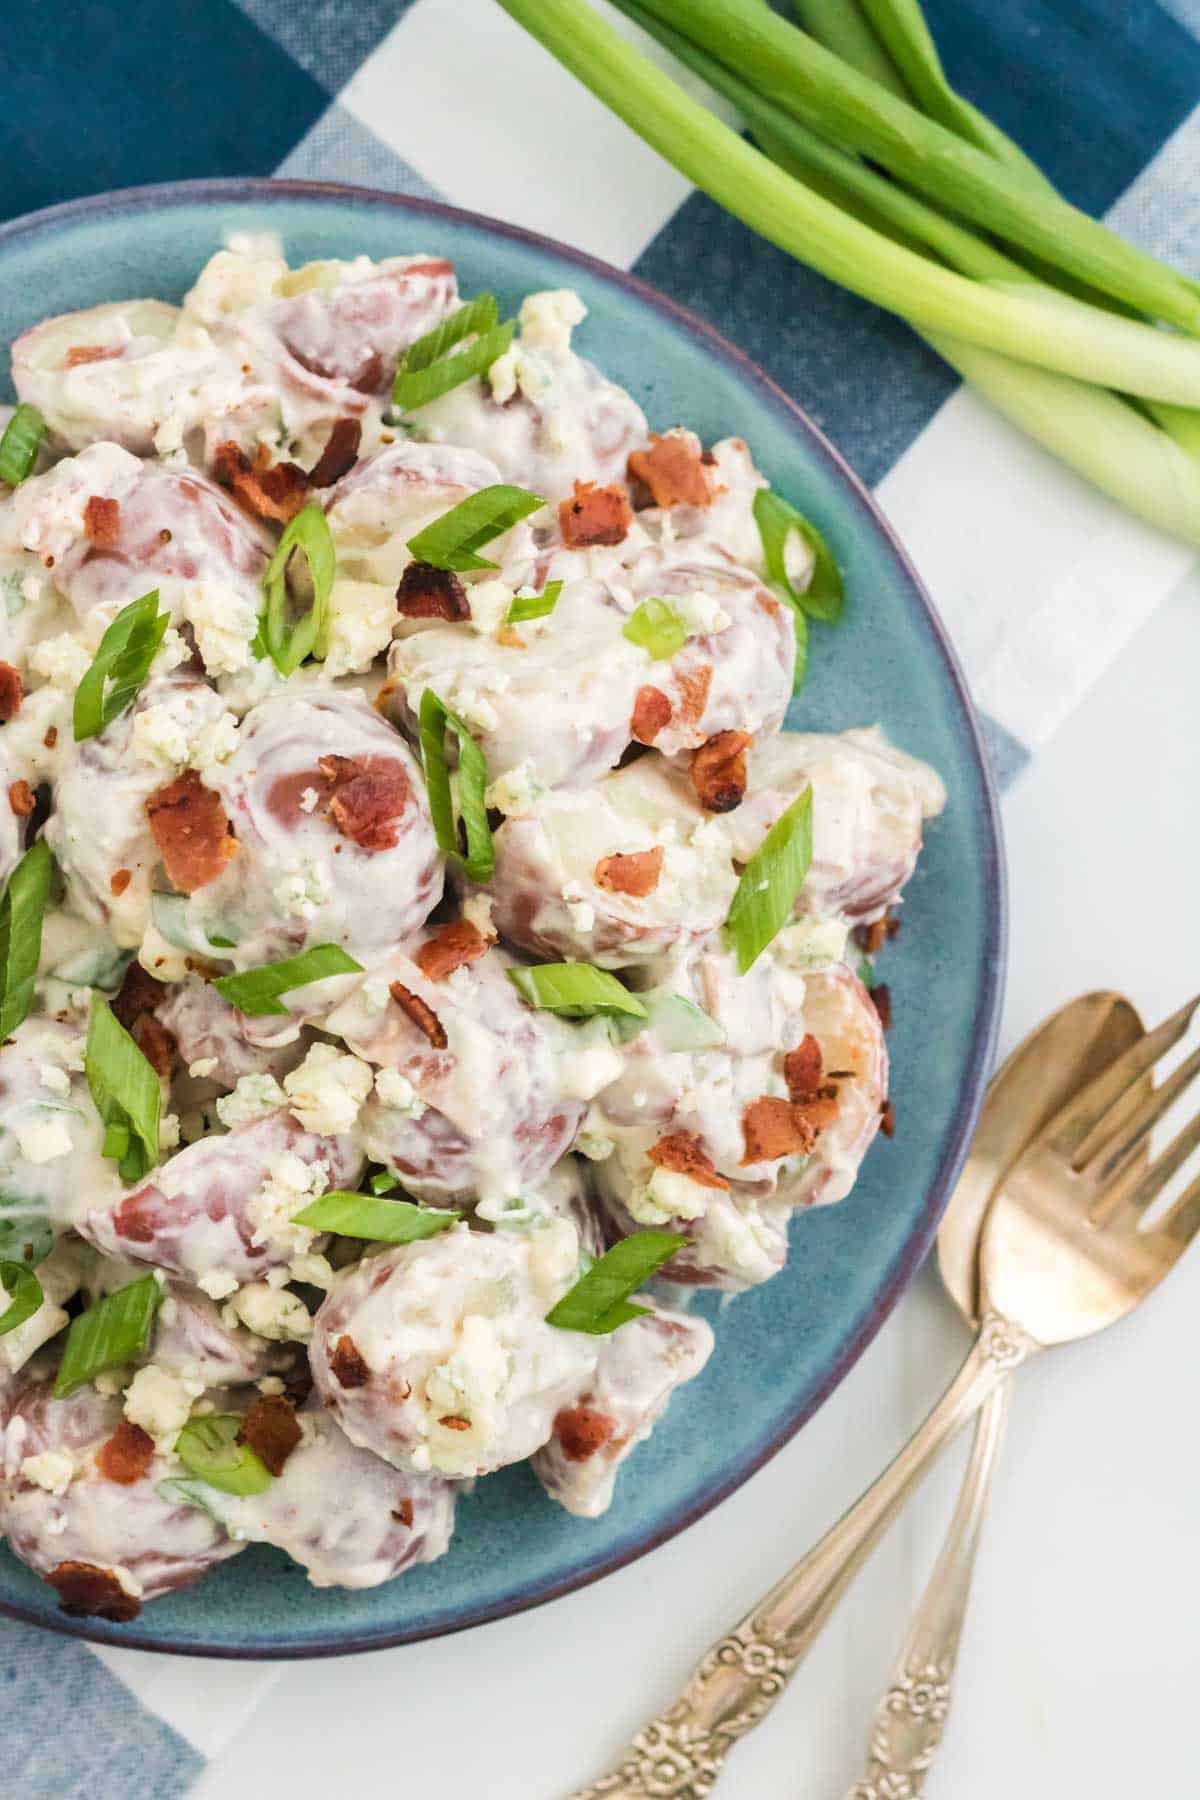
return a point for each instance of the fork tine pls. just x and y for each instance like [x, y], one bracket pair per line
[1134, 1128]
[1139, 1196]
[1182, 1222]
[1077, 1131]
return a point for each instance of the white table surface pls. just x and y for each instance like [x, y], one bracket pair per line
[1081, 1661]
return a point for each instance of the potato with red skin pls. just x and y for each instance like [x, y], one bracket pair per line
[208, 1030]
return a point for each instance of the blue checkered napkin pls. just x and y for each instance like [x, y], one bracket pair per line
[1040, 580]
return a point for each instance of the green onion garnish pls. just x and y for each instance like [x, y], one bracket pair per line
[256, 992]
[426, 372]
[208, 1446]
[19, 444]
[109, 1334]
[126, 1091]
[776, 519]
[383, 1181]
[22, 909]
[287, 641]
[378, 1220]
[534, 606]
[452, 541]
[120, 665]
[480, 859]
[598, 1301]
[770, 882]
[26, 1292]
[656, 627]
[576, 990]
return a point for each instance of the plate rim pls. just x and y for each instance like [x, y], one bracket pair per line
[984, 1027]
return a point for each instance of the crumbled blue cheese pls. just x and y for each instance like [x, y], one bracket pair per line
[289, 1188]
[218, 1284]
[225, 622]
[581, 912]
[515, 792]
[700, 614]
[362, 618]
[303, 891]
[57, 1080]
[490, 600]
[254, 1097]
[203, 1067]
[50, 1470]
[327, 1090]
[669, 1195]
[312, 1268]
[548, 319]
[62, 661]
[477, 911]
[396, 1091]
[309, 800]
[161, 1403]
[168, 1133]
[44, 1138]
[812, 943]
[269, 1312]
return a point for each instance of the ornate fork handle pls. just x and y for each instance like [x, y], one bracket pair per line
[679, 1755]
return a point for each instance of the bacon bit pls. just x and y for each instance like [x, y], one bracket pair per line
[118, 881]
[429, 593]
[802, 1069]
[12, 692]
[881, 1000]
[20, 798]
[874, 936]
[634, 873]
[155, 1043]
[139, 993]
[581, 1431]
[773, 1127]
[51, 737]
[719, 771]
[887, 1119]
[510, 638]
[673, 469]
[455, 1422]
[268, 490]
[102, 521]
[347, 1364]
[651, 714]
[817, 1114]
[368, 796]
[86, 353]
[127, 1454]
[339, 455]
[451, 947]
[683, 1153]
[85, 1591]
[693, 693]
[403, 1514]
[272, 1430]
[192, 831]
[594, 515]
[297, 1382]
[421, 1014]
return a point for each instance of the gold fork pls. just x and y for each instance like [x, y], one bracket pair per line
[1063, 1254]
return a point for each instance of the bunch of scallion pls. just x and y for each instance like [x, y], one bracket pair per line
[870, 168]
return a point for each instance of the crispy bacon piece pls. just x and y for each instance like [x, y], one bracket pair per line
[719, 771]
[421, 1014]
[367, 795]
[102, 521]
[673, 469]
[455, 1422]
[595, 515]
[86, 353]
[155, 1043]
[192, 831]
[403, 1514]
[651, 714]
[773, 1127]
[139, 993]
[802, 1069]
[347, 1364]
[684, 1154]
[127, 1454]
[272, 1430]
[12, 692]
[266, 489]
[635, 873]
[429, 593]
[874, 936]
[582, 1430]
[118, 881]
[887, 1119]
[88, 1592]
[451, 947]
[693, 692]
[339, 455]
[881, 1000]
[20, 798]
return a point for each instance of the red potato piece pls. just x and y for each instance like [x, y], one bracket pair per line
[189, 1337]
[207, 1029]
[351, 335]
[204, 1207]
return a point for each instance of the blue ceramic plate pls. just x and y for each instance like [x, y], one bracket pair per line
[888, 661]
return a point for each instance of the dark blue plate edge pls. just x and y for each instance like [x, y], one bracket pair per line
[987, 1011]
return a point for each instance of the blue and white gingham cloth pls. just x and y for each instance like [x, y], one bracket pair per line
[1040, 580]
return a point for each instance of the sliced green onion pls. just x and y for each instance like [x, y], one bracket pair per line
[126, 1091]
[208, 1446]
[477, 315]
[26, 1232]
[534, 606]
[679, 1024]
[420, 381]
[451, 542]
[576, 990]
[170, 913]
[598, 1301]
[288, 642]
[480, 859]
[111, 1333]
[866, 972]
[383, 1181]
[257, 992]
[656, 627]
[19, 444]
[120, 665]
[374, 1218]
[22, 910]
[776, 519]
[770, 882]
[26, 1291]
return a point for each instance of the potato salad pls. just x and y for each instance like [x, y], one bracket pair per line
[425, 960]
